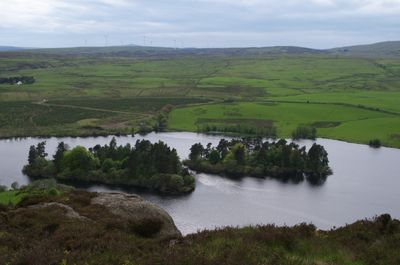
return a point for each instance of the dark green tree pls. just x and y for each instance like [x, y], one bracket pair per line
[113, 144]
[32, 155]
[196, 152]
[161, 123]
[239, 153]
[223, 148]
[41, 150]
[59, 154]
[317, 157]
[207, 151]
[35, 152]
[214, 157]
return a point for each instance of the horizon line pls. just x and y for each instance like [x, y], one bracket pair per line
[189, 47]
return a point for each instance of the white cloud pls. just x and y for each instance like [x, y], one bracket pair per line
[39, 15]
[116, 3]
[195, 17]
[324, 2]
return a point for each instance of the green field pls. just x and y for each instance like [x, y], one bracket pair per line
[347, 98]
[332, 121]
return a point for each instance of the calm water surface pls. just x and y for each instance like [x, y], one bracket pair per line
[366, 182]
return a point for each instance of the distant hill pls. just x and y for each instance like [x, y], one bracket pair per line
[389, 49]
[149, 52]
[10, 48]
[380, 49]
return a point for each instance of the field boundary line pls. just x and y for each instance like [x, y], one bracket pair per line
[375, 109]
[82, 107]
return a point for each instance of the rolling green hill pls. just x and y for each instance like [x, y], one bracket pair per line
[388, 49]
[92, 91]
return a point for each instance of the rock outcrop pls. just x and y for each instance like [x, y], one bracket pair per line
[125, 212]
[69, 212]
[136, 210]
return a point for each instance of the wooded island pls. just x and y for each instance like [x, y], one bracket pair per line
[152, 166]
[255, 157]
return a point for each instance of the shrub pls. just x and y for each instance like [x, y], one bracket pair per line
[189, 180]
[375, 143]
[146, 227]
[15, 79]
[176, 182]
[3, 208]
[54, 192]
[32, 200]
[304, 132]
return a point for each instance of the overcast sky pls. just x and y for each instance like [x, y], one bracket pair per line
[198, 23]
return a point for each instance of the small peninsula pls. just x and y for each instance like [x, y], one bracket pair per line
[155, 167]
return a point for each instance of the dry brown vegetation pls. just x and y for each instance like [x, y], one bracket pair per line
[38, 236]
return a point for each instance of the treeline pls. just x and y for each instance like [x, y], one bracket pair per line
[255, 157]
[268, 132]
[153, 166]
[15, 79]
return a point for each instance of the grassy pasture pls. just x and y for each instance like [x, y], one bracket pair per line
[383, 100]
[334, 121]
[115, 94]
[208, 77]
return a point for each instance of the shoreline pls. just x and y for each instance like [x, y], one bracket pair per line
[227, 135]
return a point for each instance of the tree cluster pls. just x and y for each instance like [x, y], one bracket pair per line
[304, 132]
[15, 79]
[158, 124]
[152, 166]
[255, 157]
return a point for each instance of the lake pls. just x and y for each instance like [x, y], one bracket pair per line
[365, 183]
